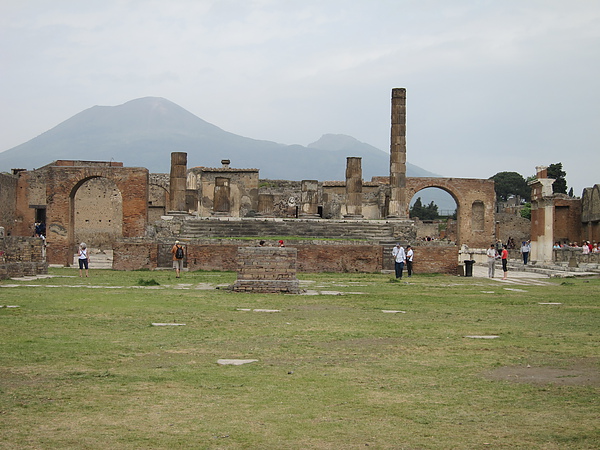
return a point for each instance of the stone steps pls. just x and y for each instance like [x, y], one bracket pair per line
[197, 229]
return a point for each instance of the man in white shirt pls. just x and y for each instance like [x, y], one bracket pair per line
[492, 255]
[399, 258]
[409, 260]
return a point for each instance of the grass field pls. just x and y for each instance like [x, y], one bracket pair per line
[82, 365]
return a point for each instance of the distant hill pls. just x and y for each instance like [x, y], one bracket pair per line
[144, 132]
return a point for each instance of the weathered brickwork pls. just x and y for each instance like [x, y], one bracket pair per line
[266, 269]
[590, 214]
[8, 198]
[512, 226]
[475, 200]
[55, 188]
[21, 256]
[311, 257]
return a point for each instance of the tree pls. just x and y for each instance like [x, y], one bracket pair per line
[560, 184]
[526, 211]
[429, 212]
[507, 184]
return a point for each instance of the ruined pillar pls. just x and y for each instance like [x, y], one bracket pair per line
[309, 199]
[353, 188]
[398, 207]
[178, 182]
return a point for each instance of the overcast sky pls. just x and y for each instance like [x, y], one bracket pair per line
[492, 85]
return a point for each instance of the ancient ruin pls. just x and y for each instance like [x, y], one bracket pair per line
[353, 223]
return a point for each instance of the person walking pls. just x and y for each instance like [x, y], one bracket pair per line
[525, 249]
[178, 255]
[84, 260]
[399, 259]
[409, 260]
[492, 255]
[504, 257]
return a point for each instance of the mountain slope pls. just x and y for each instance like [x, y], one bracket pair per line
[144, 132]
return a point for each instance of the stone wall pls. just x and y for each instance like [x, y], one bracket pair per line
[21, 256]
[313, 256]
[510, 225]
[8, 199]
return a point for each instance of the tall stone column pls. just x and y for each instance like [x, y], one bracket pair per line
[178, 182]
[354, 188]
[398, 207]
[309, 199]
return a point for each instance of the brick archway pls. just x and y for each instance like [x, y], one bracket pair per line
[475, 201]
[65, 178]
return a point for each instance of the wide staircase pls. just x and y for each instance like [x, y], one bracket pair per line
[368, 230]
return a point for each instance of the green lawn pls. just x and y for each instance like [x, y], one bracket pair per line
[82, 366]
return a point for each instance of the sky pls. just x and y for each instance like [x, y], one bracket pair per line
[492, 85]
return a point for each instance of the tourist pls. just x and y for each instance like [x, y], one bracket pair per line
[492, 255]
[585, 250]
[261, 243]
[281, 244]
[84, 260]
[504, 257]
[557, 246]
[178, 254]
[595, 248]
[399, 260]
[409, 260]
[525, 249]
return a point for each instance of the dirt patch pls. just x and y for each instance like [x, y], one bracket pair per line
[580, 374]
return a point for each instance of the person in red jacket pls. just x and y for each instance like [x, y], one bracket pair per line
[504, 257]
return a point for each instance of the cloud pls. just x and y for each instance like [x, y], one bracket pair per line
[491, 86]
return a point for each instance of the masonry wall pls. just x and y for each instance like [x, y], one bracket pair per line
[511, 225]
[8, 205]
[129, 255]
[21, 256]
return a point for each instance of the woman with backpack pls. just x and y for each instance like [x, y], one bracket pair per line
[178, 255]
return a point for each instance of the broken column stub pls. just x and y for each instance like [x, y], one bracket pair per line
[353, 188]
[178, 183]
[309, 199]
[267, 269]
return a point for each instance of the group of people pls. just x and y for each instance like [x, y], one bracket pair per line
[493, 254]
[587, 247]
[403, 257]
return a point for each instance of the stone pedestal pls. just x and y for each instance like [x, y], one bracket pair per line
[267, 269]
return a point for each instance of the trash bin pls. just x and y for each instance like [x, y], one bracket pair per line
[469, 267]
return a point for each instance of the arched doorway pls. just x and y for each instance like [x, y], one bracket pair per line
[436, 211]
[97, 212]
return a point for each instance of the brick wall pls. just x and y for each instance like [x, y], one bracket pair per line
[312, 257]
[21, 256]
[266, 269]
[8, 198]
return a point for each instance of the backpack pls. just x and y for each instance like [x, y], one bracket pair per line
[179, 252]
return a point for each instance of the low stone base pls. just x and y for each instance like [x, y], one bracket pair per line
[267, 286]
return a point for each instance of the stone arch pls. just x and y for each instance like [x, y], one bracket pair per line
[466, 192]
[63, 181]
[431, 230]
